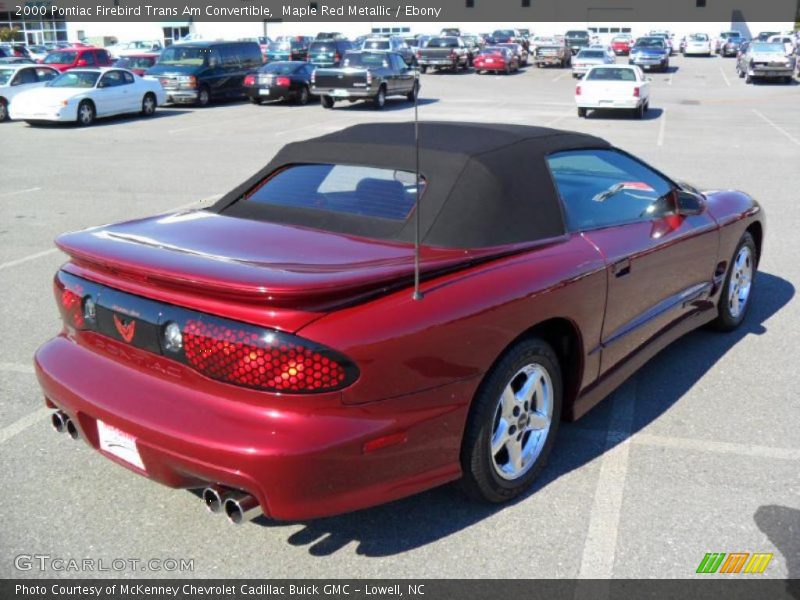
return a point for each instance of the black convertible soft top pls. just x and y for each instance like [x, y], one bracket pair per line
[486, 184]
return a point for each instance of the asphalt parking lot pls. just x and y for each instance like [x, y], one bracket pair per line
[699, 452]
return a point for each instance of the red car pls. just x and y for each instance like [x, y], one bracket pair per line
[65, 59]
[622, 45]
[138, 63]
[272, 348]
[494, 58]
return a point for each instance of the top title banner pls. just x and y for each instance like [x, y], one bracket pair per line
[522, 11]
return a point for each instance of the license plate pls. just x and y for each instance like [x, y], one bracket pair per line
[489, 61]
[606, 102]
[340, 93]
[263, 92]
[118, 443]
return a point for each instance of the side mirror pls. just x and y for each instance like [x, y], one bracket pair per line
[689, 203]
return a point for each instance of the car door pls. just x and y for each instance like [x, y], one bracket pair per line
[108, 97]
[130, 100]
[24, 79]
[660, 262]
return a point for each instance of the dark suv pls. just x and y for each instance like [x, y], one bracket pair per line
[328, 53]
[199, 72]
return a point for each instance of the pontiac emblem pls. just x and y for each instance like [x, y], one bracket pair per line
[126, 330]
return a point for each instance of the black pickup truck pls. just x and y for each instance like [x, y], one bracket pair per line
[366, 75]
[443, 53]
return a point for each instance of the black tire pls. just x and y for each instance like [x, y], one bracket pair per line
[3, 110]
[149, 104]
[86, 113]
[726, 319]
[303, 96]
[204, 96]
[507, 70]
[423, 69]
[748, 78]
[640, 111]
[379, 101]
[326, 101]
[481, 480]
[581, 112]
[414, 93]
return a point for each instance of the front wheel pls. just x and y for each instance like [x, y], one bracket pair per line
[148, 105]
[734, 298]
[512, 423]
[3, 110]
[86, 113]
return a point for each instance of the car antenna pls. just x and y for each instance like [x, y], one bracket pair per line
[417, 293]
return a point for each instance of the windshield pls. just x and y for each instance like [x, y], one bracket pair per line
[611, 74]
[377, 45]
[60, 58]
[279, 47]
[365, 59]
[651, 42]
[698, 37]
[76, 79]
[442, 43]
[184, 55]
[591, 54]
[731, 34]
[768, 47]
[356, 190]
[135, 62]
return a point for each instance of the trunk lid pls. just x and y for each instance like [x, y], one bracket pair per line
[208, 254]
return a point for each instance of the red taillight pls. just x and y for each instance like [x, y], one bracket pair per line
[636, 92]
[250, 80]
[283, 82]
[419, 54]
[337, 57]
[70, 303]
[453, 54]
[263, 360]
[578, 90]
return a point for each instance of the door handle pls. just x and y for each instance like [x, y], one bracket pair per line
[621, 268]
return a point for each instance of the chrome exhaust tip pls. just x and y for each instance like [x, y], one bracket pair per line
[214, 497]
[72, 430]
[241, 507]
[59, 421]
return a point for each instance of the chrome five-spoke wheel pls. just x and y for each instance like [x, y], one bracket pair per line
[740, 282]
[522, 421]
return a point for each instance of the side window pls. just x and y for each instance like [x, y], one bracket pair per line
[46, 74]
[26, 76]
[89, 58]
[602, 188]
[112, 79]
[102, 57]
[214, 58]
[230, 56]
[127, 78]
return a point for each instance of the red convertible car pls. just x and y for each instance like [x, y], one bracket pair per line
[271, 350]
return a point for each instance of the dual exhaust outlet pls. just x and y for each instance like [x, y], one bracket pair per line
[238, 506]
[62, 423]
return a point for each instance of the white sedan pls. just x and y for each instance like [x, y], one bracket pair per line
[82, 95]
[698, 44]
[613, 87]
[15, 79]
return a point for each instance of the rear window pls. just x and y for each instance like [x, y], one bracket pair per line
[591, 54]
[577, 34]
[366, 59]
[377, 45]
[611, 74]
[345, 189]
[442, 43]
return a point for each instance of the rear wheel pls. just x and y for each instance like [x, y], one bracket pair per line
[412, 95]
[734, 298]
[148, 105]
[512, 423]
[748, 78]
[303, 96]
[3, 110]
[379, 101]
[581, 112]
[86, 113]
[640, 111]
[326, 101]
[204, 96]
[254, 100]
[423, 69]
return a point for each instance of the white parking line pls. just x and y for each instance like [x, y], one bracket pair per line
[725, 77]
[662, 126]
[24, 259]
[561, 76]
[792, 139]
[600, 547]
[16, 367]
[20, 425]
[749, 450]
[34, 189]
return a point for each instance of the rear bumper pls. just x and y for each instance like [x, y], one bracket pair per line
[759, 71]
[437, 62]
[182, 96]
[491, 67]
[548, 60]
[623, 104]
[344, 92]
[301, 457]
[269, 92]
